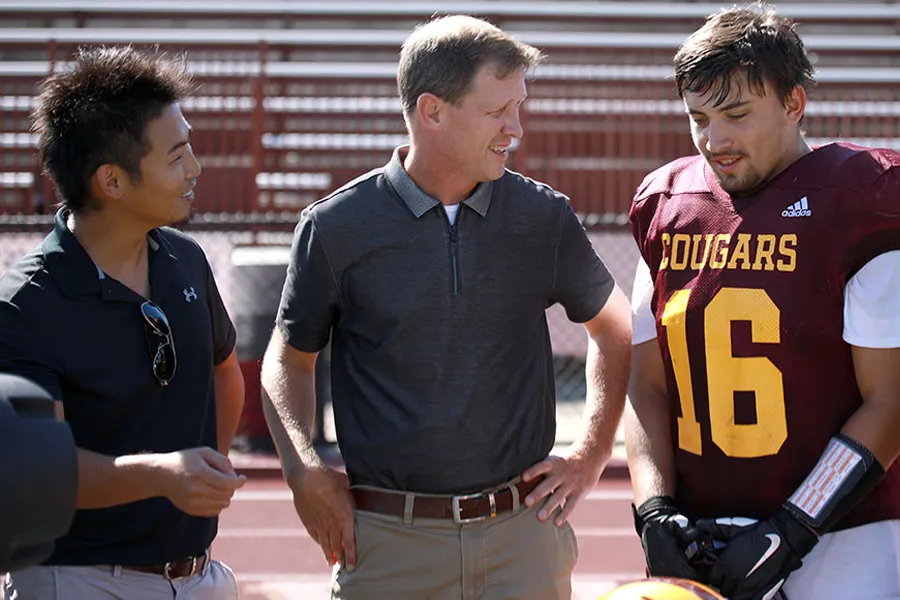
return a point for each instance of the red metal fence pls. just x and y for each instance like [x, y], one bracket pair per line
[294, 104]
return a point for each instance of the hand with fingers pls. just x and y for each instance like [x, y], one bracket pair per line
[198, 481]
[567, 479]
[666, 535]
[323, 502]
[758, 556]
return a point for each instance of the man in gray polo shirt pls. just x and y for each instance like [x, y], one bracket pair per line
[432, 276]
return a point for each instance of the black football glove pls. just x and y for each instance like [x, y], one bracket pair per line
[665, 534]
[758, 555]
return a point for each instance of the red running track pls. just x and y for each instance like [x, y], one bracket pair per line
[262, 539]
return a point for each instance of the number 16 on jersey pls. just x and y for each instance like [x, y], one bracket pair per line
[727, 374]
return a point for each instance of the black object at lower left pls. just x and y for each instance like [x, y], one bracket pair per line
[38, 471]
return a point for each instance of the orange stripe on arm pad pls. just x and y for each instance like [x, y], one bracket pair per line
[845, 473]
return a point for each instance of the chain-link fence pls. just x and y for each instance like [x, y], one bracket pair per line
[250, 268]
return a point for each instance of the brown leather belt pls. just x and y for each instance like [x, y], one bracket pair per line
[467, 508]
[183, 567]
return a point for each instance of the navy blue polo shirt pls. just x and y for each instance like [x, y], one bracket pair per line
[80, 334]
[442, 371]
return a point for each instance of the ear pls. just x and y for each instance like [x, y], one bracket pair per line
[108, 182]
[428, 111]
[795, 104]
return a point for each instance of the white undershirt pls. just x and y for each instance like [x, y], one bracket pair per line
[451, 210]
[642, 320]
[871, 304]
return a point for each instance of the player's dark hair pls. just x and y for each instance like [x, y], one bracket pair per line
[97, 112]
[443, 56]
[750, 39]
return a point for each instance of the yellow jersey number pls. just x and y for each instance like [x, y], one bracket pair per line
[727, 374]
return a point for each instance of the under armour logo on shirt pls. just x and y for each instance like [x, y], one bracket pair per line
[189, 294]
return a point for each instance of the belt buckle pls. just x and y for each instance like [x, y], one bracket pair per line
[457, 516]
[167, 568]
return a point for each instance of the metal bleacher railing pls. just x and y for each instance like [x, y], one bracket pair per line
[527, 9]
[286, 114]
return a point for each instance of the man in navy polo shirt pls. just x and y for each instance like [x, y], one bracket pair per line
[431, 276]
[118, 316]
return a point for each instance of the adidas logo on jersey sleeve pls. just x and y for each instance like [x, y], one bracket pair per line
[800, 208]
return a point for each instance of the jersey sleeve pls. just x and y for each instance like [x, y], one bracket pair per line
[872, 303]
[642, 218]
[642, 320]
[874, 222]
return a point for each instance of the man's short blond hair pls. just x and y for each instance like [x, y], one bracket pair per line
[442, 57]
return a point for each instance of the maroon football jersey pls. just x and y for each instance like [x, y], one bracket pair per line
[748, 301]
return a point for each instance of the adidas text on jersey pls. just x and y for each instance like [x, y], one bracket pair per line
[800, 208]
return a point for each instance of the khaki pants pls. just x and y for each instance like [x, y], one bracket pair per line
[216, 582]
[511, 557]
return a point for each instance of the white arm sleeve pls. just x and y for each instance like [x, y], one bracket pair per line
[642, 320]
[872, 304]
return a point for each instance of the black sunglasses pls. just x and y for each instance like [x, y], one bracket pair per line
[164, 359]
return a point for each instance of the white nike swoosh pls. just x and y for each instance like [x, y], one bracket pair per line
[770, 595]
[774, 544]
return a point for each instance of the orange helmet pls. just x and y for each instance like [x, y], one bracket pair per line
[663, 588]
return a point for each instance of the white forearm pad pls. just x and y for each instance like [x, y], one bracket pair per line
[845, 473]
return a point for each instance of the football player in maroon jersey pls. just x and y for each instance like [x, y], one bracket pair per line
[765, 389]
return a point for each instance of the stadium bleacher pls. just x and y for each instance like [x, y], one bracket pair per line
[280, 13]
[299, 97]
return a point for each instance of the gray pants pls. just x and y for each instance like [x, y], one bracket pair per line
[216, 582]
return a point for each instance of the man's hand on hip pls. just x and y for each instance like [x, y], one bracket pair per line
[323, 502]
[567, 479]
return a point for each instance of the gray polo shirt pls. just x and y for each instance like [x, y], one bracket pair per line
[442, 374]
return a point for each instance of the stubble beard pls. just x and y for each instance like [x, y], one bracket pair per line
[179, 223]
[739, 184]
